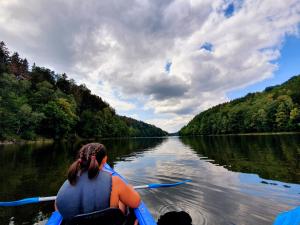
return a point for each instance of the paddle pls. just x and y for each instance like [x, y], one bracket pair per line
[161, 185]
[52, 198]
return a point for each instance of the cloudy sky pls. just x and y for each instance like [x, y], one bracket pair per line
[160, 61]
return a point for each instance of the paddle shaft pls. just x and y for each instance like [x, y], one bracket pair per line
[52, 198]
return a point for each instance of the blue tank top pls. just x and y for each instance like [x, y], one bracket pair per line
[87, 195]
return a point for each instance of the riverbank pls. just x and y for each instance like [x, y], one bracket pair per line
[265, 133]
[22, 141]
[243, 134]
[77, 138]
[49, 140]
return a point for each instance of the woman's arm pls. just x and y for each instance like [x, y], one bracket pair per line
[126, 193]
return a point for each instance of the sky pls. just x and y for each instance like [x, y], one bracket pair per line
[161, 62]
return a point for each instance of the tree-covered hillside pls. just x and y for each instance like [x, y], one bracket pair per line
[276, 109]
[38, 102]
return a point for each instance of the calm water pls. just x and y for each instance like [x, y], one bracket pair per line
[236, 179]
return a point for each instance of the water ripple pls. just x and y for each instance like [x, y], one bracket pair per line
[199, 216]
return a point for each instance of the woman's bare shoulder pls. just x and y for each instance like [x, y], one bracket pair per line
[117, 180]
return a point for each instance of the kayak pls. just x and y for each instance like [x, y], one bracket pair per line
[291, 217]
[142, 213]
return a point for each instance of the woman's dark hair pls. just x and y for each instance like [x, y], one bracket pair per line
[88, 159]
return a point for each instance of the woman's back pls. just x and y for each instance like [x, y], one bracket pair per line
[89, 188]
[88, 195]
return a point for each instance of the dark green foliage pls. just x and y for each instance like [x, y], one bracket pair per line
[18, 119]
[40, 74]
[40, 103]
[60, 118]
[17, 66]
[141, 129]
[275, 109]
[4, 57]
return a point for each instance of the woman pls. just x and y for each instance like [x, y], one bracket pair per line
[89, 188]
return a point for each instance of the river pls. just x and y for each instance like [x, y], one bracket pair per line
[235, 179]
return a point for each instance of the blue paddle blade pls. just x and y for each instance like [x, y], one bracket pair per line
[168, 185]
[55, 219]
[20, 202]
[291, 217]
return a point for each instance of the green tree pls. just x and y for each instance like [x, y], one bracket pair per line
[13, 95]
[4, 57]
[27, 122]
[283, 112]
[40, 74]
[295, 118]
[60, 118]
[43, 94]
[259, 120]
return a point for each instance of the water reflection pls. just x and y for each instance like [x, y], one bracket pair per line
[216, 195]
[271, 157]
[40, 169]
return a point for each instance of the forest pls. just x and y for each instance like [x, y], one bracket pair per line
[276, 109]
[37, 103]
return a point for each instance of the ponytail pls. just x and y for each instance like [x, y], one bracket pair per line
[93, 168]
[73, 172]
[88, 160]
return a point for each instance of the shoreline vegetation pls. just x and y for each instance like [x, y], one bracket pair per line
[259, 133]
[37, 103]
[274, 110]
[76, 139]
[43, 140]
[245, 134]
[23, 141]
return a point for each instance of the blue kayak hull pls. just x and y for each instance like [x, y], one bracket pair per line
[291, 217]
[142, 213]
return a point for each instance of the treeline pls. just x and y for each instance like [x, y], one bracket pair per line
[38, 102]
[276, 109]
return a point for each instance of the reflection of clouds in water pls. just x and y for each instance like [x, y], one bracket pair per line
[189, 165]
[215, 195]
[138, 170]
[251, 184]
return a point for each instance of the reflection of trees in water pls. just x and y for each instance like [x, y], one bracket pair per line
[30, 170]
[119, 149]
[40, 169]
[270, 156]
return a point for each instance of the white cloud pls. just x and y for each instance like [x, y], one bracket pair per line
[171, 125]
[120, 49]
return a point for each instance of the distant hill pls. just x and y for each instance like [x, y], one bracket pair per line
[39, 103]
[174, 134]
[141, 129]
[276, 109]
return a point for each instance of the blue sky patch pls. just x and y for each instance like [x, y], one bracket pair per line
[207, 46]
[228, 12]
[168, 66]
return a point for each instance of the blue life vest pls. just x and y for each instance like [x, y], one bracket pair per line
[87, 195]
